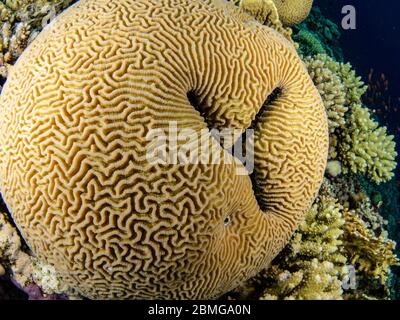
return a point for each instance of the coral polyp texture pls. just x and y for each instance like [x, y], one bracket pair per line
[293, 12]
[290, 12]
[265, 12]
[76, 111]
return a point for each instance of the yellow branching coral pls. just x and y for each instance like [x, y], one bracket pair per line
[329, 243]
[372, 255]
[330, 87]
[312, 265]
[337, 84]
[353, 87]
[314, 280]
[365, 147]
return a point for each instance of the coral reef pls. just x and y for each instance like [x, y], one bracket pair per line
[80, 174]
[26, 272]
[12, 256]
[365, 147]
[21, 22]
[350, 224]
[312, 266]
[336, 253]
[372, 255]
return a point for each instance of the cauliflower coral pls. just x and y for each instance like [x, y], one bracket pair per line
[365, 147]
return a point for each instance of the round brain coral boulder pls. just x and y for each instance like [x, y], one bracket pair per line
[76, 112]
[293, 12]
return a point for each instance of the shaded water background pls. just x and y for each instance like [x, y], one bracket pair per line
[374, 44]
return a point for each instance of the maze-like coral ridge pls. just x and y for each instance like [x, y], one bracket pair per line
[75, 113]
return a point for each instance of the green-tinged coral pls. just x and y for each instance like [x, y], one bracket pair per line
[317, 33]
[365, 147]
[310, 43]
[334, 168]
[354, 87]
[312, 265]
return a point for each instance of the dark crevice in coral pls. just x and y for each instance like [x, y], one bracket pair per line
[196, 104]
[274, 95]
[256, 188]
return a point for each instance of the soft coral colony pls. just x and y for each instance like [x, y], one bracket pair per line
[99, 222]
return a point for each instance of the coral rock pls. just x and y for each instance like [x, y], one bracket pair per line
[293, 12]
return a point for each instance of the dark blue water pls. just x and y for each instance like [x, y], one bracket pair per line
[375, 43]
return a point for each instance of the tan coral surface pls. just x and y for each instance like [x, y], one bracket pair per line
[75, 113]
[293, 12]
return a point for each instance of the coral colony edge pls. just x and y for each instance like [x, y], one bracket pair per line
[120, 178]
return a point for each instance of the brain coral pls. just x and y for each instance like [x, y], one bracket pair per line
[293, 12]
[75, 113]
